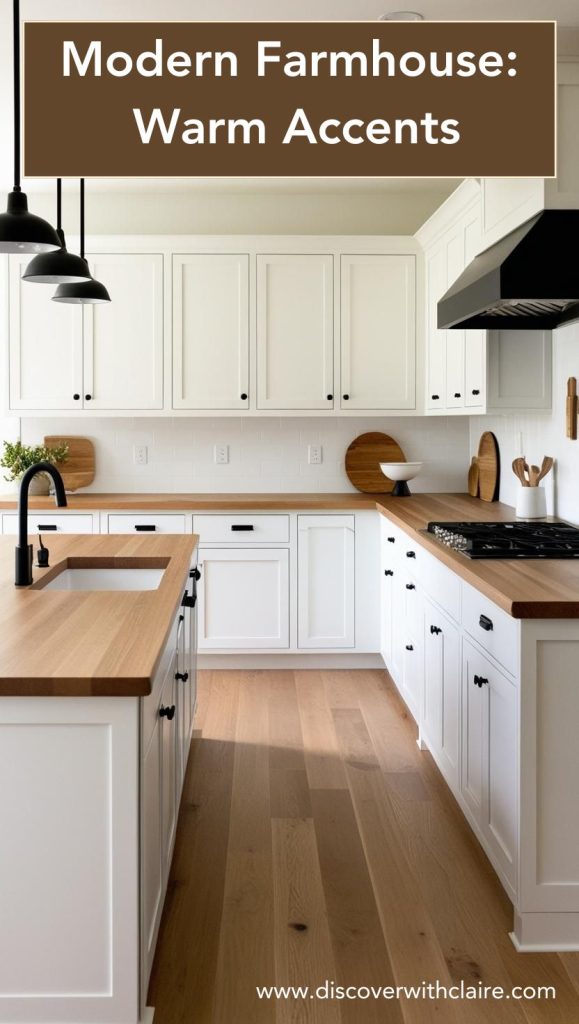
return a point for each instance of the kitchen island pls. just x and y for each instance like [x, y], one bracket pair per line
[97, 696]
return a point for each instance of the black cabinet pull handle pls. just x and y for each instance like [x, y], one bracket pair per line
[391, 540]
[435, 630]
[480, 681]
[388, 572]
[435, 398]
[242, 527]
[87, 398]
[409, 647]
[46, 526]
[346, 398]
[194, 574]
[188, 600]
[181, 618]
[168, 713]
[485, 623]
[243, 397]
[182, 675]
[411, 554]
[145, 527]
[329, 397]
[475, 391]
[457, 394]
[410, 586]
[76, 397]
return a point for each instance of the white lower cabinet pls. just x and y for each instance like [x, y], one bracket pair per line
[326, 581]
[243, 598]
[441, 708]
[50, 522]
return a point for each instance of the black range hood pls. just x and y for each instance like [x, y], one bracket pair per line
[528, 280]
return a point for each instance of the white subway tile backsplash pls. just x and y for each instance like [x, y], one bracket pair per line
[269, 454]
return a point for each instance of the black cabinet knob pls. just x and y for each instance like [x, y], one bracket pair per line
[243, 397]
[435, 398]
[480, 681]
[87, 398]
[346, 398]
[194, 574]
[435, 630]
[168, 713]
[409, 647]
[388, 572]
[410, 586]
[182, 675]
[330, 398]
[475, 391]
[457, 394]
[76, 397]
[411, 554]
[486, 623]
[391, 540]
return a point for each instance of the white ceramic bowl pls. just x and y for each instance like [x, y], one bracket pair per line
[401, 470]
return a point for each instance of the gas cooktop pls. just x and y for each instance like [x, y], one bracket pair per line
[509, 540]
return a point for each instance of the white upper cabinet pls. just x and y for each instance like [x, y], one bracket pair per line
[211, 331]
[123, 339]
[45, 346]
[295, 331]
[378, 333]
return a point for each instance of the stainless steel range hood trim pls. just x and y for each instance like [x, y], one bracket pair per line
[521, 281]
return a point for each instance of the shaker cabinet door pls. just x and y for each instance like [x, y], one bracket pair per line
[45, 346]
[378, 332]
[295, 332]
[326, 581]
[123, 338]
[243, 598]
[211, 331]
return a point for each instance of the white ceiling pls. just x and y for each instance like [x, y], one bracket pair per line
[565, 12]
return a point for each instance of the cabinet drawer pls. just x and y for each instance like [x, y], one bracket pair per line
[41, 522]
[440, 583]
[143, 523]
[251, 528]
[491, 627]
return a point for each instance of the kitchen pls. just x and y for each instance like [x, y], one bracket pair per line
[266, 718]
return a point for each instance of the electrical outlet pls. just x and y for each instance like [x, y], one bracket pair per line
[140, 454]
[221, 454]
[314, 454]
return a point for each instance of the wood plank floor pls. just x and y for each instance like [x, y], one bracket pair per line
[316, 842]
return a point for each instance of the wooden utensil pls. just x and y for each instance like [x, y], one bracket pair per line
[363, 459]
[534, 474]
[571, 408]
[79, 468]
[489, 464]
[519, 471]
[473, 474]
[546, 467]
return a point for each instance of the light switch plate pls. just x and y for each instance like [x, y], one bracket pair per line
[221, 454]
[140, 454]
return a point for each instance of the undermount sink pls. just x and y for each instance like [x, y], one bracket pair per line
[90, 578]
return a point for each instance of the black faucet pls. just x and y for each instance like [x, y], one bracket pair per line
[23, 577]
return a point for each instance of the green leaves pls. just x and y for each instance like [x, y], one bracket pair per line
[18, 457]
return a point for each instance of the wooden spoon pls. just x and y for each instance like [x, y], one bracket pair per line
[534, 476]
[518, 470]
[546, 467]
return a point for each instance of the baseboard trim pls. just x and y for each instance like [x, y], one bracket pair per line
[273, 661]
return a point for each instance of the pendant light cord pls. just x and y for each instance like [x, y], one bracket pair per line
[17, 137]
[82, 218]
[59, 204]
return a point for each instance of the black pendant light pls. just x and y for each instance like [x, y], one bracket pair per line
[84, 292]
[60, 267]
[21, 231]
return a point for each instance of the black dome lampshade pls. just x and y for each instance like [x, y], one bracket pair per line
[21, 231]
[86, 292]
[60, 267]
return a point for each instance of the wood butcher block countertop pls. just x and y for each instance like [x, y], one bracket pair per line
[89, 643]
[525, 588]
[87, 501]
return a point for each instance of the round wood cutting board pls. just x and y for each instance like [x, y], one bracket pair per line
[363, 460]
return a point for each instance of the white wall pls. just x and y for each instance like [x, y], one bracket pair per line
[542, 434]
[265, 455]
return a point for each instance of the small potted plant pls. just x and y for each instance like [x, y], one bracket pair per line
[18, 457]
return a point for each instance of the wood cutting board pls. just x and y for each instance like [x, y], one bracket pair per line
[489, 467]
[363, 460]
[79, 468]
